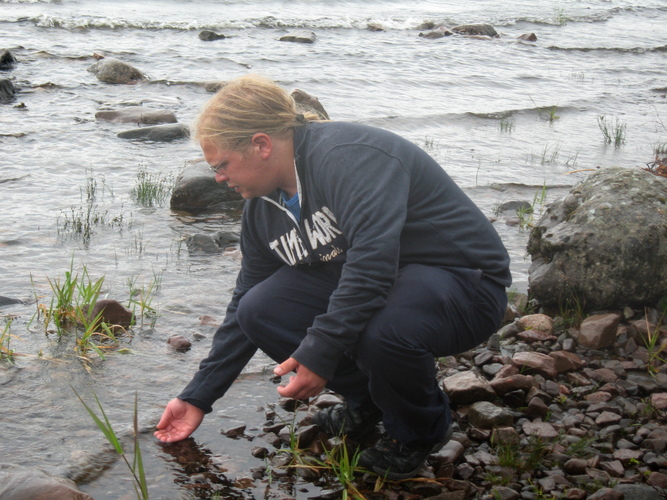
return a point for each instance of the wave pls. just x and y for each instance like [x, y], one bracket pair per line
[616, 50]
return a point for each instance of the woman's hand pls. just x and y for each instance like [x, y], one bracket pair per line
[304, 384]
[179, 420]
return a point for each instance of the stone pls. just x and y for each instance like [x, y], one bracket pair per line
[476, 30]
[195, 189]
[199, 244]
[607, 418]
[535, 362]
[567, 361]
[306, 103]
[299, 37]
[528, 37]
[542, 430]
[112, 313]
[235, 431]
[111, 70]
[607, 248]
[659, 400]
[539, 322]
[179, 342]
[29, 484]
[467, 387]
[7, 60]
[137, 114]
[598, 331]
[6, 301]
[606, 494]
[7, 91]
[486, 415]
[157, 133]
[210, 36]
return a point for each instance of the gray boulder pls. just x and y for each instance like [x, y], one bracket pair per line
[111, 70]
[196, 189]
[7, 91]
[306, 103]
[210, 36]
[137, 114]
[604, 244]
[157, 133]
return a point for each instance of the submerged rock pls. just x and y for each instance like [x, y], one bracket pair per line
[299, 37]
[7, 91]
[157, 133]
[34, 484]
[209, 36]
[137, 114]
[111, 70]
[476, 30]
[196, 189]
[7, 60]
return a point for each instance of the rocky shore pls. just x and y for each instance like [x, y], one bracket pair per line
[552, 406]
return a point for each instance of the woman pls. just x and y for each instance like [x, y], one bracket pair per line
[362, 261]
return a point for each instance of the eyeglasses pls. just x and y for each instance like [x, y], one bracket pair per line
[216, 169]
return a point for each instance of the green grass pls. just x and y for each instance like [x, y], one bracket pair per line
[612, 130]
[152, 189]
[137, 466]
[506, 125]
[6, 354]
[528, 215]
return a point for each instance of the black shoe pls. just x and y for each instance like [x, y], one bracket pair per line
[340, 420]
[395, 461]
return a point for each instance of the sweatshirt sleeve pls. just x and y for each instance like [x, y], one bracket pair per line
[367, 190]
[231, 350]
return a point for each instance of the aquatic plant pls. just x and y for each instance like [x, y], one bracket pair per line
[152, 189]
[612, 132]
[137, 466]
[506, 125]
[6, 354]
[142, 297]
[527, 215]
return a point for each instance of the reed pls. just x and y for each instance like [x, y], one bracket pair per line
[152, 189]
[612, 130]
[6, 354]
[137, 466]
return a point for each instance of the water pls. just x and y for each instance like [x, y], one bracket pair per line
[503, 117]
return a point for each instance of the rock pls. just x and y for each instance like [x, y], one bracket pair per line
[606, 248]
[28, 484]
[5, 301]
[7, 60]
[137, 114]
[475, 30]
[305, 103]
[567, 361]
[598, 331]
[467, 387]
[539, 322]
[234, 431]
[196, 189]
[179, 343]
[659, 401]
[210, 243]
[111, 70]
[375, 27]
[542, 430]
[485, 415]
[299, 37]
[210, 36]
[606, 494]
[157, 133]
[112, 313]
[441, 32]
[503, 385]
[535, 362]
[7, 91]
[528, 37]
[639, 492]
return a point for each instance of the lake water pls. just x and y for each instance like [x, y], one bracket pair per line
[504, 117]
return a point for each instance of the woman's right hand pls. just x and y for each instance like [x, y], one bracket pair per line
[179, 420]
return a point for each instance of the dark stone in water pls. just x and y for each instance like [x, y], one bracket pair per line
[157, 133]
[7, 91]
[111, 312]
[7, 60]
[179, 342]
[210, 36]
[5, 301]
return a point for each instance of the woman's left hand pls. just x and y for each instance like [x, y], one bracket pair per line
[304, 384]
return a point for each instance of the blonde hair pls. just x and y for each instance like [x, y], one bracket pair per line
[244, 107]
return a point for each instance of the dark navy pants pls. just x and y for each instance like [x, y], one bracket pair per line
[430, 312]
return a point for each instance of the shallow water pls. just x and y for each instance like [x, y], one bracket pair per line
[503, 117]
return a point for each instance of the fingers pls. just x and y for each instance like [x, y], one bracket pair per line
[288, 366]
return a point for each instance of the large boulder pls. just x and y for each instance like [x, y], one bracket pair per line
[196, 189]
[604, 244]
[111, 70]
[306, 103]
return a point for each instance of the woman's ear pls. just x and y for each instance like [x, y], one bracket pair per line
[262, 143]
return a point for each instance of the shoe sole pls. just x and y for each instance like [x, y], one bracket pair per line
[397, 476]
